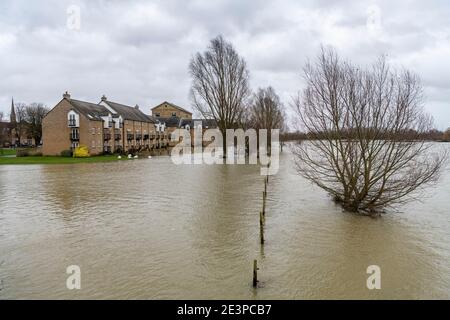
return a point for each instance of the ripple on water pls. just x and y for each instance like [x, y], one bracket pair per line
[150, 229]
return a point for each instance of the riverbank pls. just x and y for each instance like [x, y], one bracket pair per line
[7, 152]
[57, 159]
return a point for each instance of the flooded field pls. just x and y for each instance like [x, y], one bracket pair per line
[149, 229]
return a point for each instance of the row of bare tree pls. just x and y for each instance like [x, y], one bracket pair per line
[221, 91]
[366, 126]
[431, 135]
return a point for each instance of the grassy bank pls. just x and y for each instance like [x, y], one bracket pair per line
[57, 160]
[7, 152]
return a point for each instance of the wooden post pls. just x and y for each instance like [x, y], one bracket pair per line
[262, 219]
[255, 273]
[264, 204]
[261, 233]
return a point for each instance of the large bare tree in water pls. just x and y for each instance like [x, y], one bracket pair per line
[366, 147]
[220, 85]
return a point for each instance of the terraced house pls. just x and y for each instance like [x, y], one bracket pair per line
[106, 126]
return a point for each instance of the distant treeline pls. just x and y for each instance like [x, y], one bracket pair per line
[431, 135]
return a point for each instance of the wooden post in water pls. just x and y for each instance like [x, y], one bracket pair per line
[261, 232]
[264, 204]
[255, 273]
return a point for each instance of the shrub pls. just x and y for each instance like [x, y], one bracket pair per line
[66, 153]
[38, 154]
[22, 153]
[81, 152]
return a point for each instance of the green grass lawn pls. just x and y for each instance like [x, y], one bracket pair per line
[57, 160]
[7, 152]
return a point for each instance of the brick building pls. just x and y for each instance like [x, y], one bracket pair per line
[106, 126]
[170, 110]
[175, 117]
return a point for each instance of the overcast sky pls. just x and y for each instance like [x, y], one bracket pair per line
[137, 52]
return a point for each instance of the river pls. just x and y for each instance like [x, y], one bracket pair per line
[149, 229]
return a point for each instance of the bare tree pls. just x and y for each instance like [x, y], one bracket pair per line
[34, 114]
[366, 128]
[220, 85]
[20, 126]
[267, 112]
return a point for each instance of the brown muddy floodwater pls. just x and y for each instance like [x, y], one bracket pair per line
[148, 229]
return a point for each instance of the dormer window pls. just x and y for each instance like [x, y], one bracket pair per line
[73, 119]
[119, 122]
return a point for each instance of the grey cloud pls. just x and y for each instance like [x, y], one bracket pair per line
[138, 51]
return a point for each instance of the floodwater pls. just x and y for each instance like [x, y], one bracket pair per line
[149, 229]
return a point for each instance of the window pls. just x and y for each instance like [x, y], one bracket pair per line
[93, 143]
[157, 114]
[72, 120]
[93, 130]
[74, 134]
[174, 114]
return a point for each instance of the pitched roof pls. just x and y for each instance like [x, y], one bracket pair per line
[129, 113]
[6, 125]
[91, 110]
[175, 122]
[171, 122]
[172, 105]
[206, 123]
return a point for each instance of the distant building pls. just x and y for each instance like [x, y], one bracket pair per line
[170, 110]
[174, 123]
[5, 134]
[176, 117]
[103, 127]
[9, 136]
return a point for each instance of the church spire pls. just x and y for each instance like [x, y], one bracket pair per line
[12, 115]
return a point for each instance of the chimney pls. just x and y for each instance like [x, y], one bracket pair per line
[66, 95]
[104, 98]
[136, 107]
